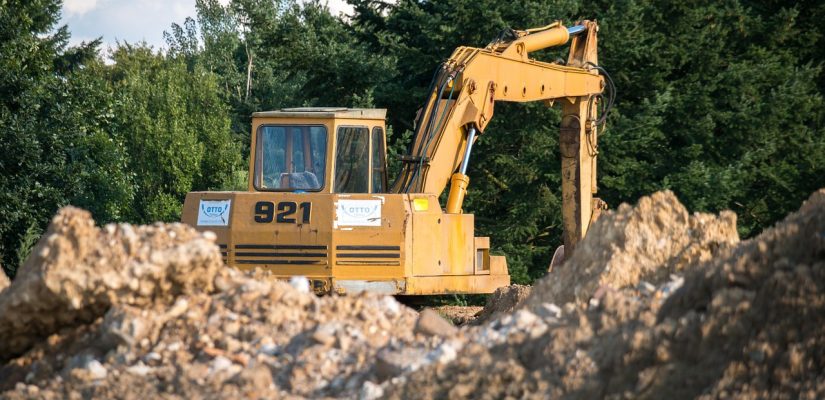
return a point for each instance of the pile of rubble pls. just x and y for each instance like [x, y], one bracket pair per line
[645, 243]
[503, 301]
[713, 319]
[656, 302]
[129, 312]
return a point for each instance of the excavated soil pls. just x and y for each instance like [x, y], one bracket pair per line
[137, 312]
[746, 323]
[503, 301]
[655, 303]
[460, 315]
[648, 242]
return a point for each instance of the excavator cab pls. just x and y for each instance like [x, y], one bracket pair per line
[326, 150]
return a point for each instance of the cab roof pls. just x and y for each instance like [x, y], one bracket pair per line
[325, 112]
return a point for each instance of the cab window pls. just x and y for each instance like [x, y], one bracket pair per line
[352, 160]
[379, 161]
[290, 157]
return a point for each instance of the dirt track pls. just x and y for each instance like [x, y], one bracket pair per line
[656, 303]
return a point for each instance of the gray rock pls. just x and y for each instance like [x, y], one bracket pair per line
[549, 311]
[646, 288]
[431, 324]
[324, 334]
[370, 391]
[96, 370]
[301, 283]
[390, 363]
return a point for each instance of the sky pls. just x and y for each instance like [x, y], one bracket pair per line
[134, 20]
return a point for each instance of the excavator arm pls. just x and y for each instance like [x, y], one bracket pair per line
[462, 97]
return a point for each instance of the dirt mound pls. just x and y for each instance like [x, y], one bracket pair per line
[77, 271]
[129, 312]
[757, 316]
[150, 311]
[460, 315]
[647, 242]
[503, 301]
[747, 324]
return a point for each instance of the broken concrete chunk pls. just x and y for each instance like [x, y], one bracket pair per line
[370, 391]
[549, 311]
[324, 334]
[431, 324]
[87, 368]
[77, 271]
[300, 283]
[394, 362]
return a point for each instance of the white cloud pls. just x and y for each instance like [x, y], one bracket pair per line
[137, 20]
[79, 7]
[339, 6]
[124, 20]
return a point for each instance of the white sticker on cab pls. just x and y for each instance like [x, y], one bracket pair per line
[214, 212]
[358, 213]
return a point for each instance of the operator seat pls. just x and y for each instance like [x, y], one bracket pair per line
[300, 180]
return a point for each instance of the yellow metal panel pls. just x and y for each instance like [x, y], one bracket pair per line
[369, 252]
[442, 243]
[428, 241]
[461, 247]
[422, 285]
[498, 265]
[282, 243]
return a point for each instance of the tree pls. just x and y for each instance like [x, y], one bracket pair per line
[711, 107]
[125, 141]
[54, 111]
[175, 128]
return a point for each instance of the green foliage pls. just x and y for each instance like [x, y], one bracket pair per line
[27, 242]
[53, 118]
[720, 107]
[176, 128]
[125, 141]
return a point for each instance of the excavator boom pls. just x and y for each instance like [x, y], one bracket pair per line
[461, 104]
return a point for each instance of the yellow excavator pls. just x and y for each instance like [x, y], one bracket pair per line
[320, 205]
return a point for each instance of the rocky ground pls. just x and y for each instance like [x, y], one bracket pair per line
[656, 303]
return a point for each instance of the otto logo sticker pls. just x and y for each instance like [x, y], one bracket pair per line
[214, 212]
[358, 213]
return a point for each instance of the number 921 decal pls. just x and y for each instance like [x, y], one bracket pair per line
[284, 212]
